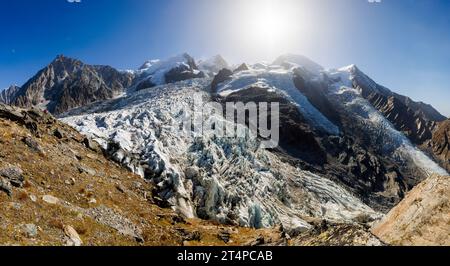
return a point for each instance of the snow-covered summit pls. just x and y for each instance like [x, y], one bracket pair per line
[147, 64]
[158, 72]
[294, 60]
[213, 65]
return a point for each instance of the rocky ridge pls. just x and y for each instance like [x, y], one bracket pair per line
[68, 83]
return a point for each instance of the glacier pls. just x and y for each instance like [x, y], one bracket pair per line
[230, 180]
[233, 180]
[394, 143]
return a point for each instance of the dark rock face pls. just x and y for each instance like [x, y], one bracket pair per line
[296, 136]
[189, 70]
[145, 84]
[440, 143]
[68, 83]
[14, 175]
[416, 120]
[315, 92]
[184, 72]
[223, 75]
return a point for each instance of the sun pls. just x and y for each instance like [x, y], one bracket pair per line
[268, 25]
[269, 21]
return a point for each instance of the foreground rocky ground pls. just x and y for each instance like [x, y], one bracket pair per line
[57, 188]
[422, 218]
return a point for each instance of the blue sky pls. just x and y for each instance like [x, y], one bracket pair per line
[402, 44]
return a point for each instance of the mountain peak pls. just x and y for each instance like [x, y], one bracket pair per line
[64, 63]
[147, 64]
[213, 64]
[350, 68]
[63, 58]
[299, 60]
[242, 67]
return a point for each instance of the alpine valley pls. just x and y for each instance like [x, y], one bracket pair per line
[94, 155]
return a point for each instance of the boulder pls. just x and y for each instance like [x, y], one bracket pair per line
[31, 230]
[50, 199]
[72, 234]
[13, 175]
[5, 186]
[32, 144]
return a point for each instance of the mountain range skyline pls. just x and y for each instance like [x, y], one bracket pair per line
[402, 44]
[203, 59]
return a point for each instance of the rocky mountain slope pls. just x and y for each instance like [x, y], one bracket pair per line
[330, 127]
[57, 188]
[158, 72]
[422, 218]
[68, 83]
[439, 145]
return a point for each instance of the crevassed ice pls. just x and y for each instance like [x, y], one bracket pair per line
[235, 179]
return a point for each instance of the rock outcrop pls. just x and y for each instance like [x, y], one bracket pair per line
[440, 143]
[242, 67]
[222, 76]
[422, 218]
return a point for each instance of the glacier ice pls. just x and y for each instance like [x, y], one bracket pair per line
[394, 143]
[231, 180]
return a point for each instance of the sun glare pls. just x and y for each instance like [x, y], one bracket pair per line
[268, 26]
